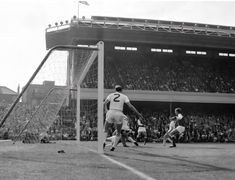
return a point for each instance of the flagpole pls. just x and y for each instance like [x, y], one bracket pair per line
[82, 2]
[78, 10]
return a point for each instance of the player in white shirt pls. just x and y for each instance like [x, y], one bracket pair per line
[171, 128]
[115, 114]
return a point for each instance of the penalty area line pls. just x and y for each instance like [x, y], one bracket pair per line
[129, 168]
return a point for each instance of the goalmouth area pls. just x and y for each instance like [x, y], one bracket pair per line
[81, 161]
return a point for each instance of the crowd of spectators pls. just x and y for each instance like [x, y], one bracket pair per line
[187, 74]
[142, 71]
[16, 120]
[62, 128]
[200, 127]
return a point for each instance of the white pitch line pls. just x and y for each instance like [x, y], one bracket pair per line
[7, 140]
[131, 169]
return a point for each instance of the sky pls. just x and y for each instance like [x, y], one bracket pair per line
[23, 24]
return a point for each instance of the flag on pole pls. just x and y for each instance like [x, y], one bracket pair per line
[84, 2]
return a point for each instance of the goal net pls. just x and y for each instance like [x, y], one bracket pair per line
[63, 97]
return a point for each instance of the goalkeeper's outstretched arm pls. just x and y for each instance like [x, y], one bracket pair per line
[134, 109]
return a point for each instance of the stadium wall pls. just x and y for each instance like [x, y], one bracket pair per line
[76, 35]
[166, 96]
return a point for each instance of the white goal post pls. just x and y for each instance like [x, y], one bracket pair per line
[100, 93]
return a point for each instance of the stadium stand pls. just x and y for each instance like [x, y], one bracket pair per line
[142, 71]
[150, 72]
[156, 71]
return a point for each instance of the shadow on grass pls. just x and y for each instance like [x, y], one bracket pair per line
[187, 166]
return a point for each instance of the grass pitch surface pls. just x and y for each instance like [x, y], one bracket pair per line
[187, 161]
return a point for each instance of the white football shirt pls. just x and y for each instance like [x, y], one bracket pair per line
[117, 101]
[179, 116]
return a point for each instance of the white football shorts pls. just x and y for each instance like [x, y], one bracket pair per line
[181, 129]
[141, 129]
[115, 116]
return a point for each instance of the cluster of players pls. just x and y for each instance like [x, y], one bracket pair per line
[115, 115]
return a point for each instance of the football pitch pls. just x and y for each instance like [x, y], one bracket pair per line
[150, 161]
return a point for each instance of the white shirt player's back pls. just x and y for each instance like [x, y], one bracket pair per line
[117, 101]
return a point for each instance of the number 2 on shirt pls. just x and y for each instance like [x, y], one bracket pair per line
[116, 98]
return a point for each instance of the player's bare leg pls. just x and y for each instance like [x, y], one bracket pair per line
[170, 140]
[172, 137]
[106, 128]
[118, 136]
[132, 140]
[164, 139]
[173, 142]
[139, 135]
[110, 139]
[145, 138]
[123, 138]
